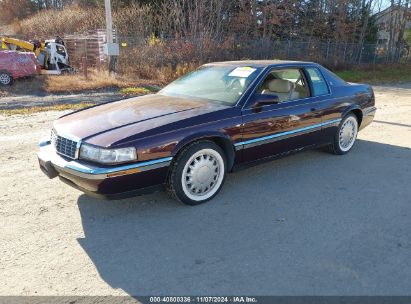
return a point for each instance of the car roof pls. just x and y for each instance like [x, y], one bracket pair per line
[260, 63]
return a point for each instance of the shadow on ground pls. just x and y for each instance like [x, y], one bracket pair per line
[25, 86]
[309, 224]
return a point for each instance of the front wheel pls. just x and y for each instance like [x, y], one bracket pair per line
[346, 135]
[198, 173]
[5, 78]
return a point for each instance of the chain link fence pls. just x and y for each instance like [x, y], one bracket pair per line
[140, 55]
[137, 51]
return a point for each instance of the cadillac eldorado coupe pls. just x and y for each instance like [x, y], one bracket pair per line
[194, 131]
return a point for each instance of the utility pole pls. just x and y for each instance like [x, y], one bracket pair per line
[110, 49]
[109, 21]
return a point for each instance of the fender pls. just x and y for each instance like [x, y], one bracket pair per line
[353, 108]
[228, 145]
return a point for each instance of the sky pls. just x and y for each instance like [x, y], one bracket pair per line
[381, 5]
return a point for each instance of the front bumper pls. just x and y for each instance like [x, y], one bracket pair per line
[110, 182]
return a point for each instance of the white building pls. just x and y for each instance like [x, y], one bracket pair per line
[384, 19]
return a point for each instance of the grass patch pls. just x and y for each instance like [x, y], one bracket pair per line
[100, 80]
[77, 82]
[377, 74]
[135, 91]
[32, 110]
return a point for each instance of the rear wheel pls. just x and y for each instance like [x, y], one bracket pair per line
[198, 173]
[346, 135]
[5, 78]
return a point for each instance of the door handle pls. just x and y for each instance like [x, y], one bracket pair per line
[313, 109]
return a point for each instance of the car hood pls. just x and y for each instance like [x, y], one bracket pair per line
[144, 113]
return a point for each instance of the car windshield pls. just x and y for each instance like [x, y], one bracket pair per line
[222, 84]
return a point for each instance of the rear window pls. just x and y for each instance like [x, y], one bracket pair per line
[320, 86]
[334, 80]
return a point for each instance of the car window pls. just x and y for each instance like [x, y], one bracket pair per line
[287, 84]
[60, 50]
[320, 87]
[223, 84]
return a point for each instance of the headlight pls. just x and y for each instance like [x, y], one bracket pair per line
[107, 156]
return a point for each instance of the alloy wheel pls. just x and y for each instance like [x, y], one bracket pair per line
[348, 133]
[203, 174]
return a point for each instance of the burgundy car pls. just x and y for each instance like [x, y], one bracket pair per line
[14, 65]
[204, 124]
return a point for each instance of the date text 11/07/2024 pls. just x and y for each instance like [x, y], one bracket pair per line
[203, 299]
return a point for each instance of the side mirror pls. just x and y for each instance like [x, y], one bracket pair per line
[260, 100]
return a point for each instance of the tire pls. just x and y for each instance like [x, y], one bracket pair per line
[198, 173]
[345, 136]
[5, 78]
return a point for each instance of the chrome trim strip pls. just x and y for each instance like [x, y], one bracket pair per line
[143, 166]
[77, 153]
[282, 135]
[369, 110]
[65, 135]
[274, 139]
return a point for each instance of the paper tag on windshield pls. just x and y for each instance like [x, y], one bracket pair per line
[243, 72]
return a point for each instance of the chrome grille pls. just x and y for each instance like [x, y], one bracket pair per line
[63, 145]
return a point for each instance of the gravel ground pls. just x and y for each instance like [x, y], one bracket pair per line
[308, 224]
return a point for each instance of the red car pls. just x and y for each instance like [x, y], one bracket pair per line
[15, 65]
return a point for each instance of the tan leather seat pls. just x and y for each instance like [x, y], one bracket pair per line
[284, 89]
[302, 91]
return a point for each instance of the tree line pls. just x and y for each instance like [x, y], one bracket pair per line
[349, 21]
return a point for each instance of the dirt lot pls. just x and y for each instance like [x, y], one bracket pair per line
[309, 224]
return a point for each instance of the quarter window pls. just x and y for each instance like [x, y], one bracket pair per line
[320, 87]
[61, 50]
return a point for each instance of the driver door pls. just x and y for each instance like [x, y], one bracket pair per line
[291, 121]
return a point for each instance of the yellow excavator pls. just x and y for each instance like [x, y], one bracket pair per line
[51, 54]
